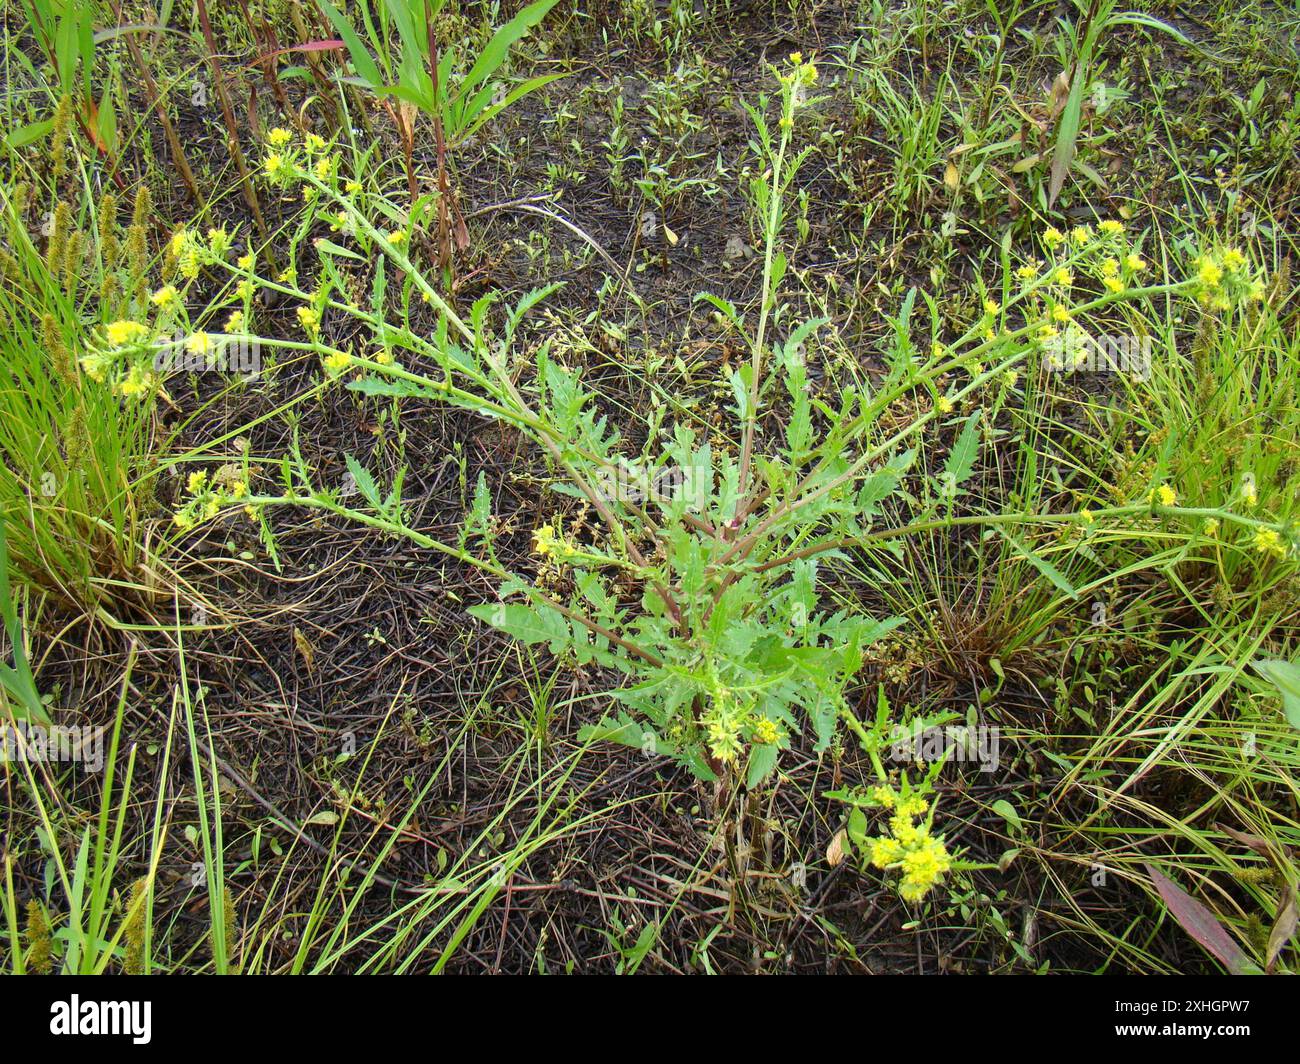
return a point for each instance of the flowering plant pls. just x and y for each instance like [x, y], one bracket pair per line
[694, 570]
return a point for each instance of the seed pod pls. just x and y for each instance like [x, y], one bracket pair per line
[58, 351]
[108, 242]
[142, 210]
[133, 930]
[59, 139]
[76, 441]
[59, 227]
[40, 944]
[73, 254]
[137, 259]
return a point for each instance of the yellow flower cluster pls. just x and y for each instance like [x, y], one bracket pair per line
[1116, 269]
[1164, 495]
[207, 496]
[1224, 279]
[123, 340]
[137, 383]
[800, 73]
[908, 846]
[336, 362]
[121, 333]
[1267, 541]
[189, 252]
[281, 163]
[279, 168]
[309, 319]
[766, 732]
[166, 298]
[546, 543]
[186, 251]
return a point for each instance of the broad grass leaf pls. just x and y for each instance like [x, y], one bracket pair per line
[1285, 676]
[1199, 922]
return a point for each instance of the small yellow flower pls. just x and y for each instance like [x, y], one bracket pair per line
[200, 344]
[218, 241]
[315, 143]
[724, 743]
[766, 733]
[166, 297]
[1135, 262]
[944, 406]
[544, 541]
[1111, 227]
[1064, 277]
[352, 188]
[1209, 274]
[397, 237]
[1267, 541]
[883, 852]
[234, 323]
[913, 805]
[1211, 526]
[1011, 378]
[1113, 284]
[1086, 514]
[1052, 236]
[120, 333]
[1061, 313]
[96, 365]
[136, 383]
[336, 362]
[196, 481]
[309, 319]
[1027, 272]
[1165, 495]
[279, 137]
[1233, 260]
[992, 306]
[189, 264]
[1081, 235]
[245, 261]
[274, 165]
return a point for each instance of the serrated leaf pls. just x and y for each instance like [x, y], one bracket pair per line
[525, 623]
[364, 481]
[961, 460]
